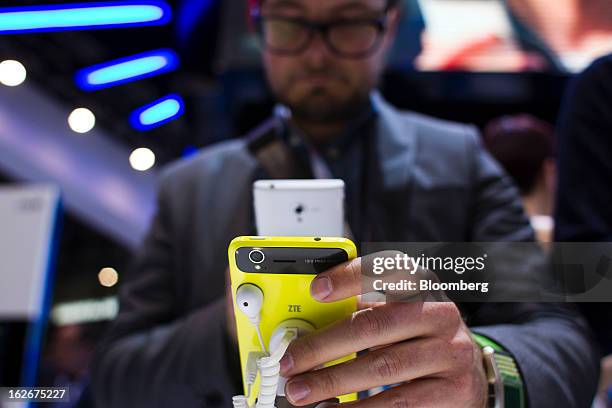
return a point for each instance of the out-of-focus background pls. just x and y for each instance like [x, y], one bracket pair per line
[95, 98]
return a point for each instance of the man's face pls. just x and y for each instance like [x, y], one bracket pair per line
[317, 84]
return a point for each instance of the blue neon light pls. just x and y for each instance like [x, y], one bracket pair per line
[127, 69]
[158, 112]
[83, 16]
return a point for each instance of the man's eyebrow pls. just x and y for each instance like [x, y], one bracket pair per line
[357, 6]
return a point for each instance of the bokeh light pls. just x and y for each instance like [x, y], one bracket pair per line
[81, 120]
[12, 73]
[142, 159]
[108, 277]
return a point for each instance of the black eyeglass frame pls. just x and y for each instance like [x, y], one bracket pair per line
[380, 24]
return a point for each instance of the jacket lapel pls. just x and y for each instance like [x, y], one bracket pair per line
[390, 168]
[396, 144]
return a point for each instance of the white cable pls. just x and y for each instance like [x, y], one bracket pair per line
[268, 382]
[269, 373]
[289, 335]
[261, 342]
[240, 401]
[251, 370]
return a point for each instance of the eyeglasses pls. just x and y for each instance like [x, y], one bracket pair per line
[348, 38]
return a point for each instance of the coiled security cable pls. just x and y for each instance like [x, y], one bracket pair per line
[269, 373]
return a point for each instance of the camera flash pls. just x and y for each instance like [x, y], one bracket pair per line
[258, 267]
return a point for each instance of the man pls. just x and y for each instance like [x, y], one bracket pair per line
[583, 211]
[585, 170]
[409, 178]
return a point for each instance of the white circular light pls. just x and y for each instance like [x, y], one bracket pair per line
[81, 120]
[108, 277]
[12, 73]
[142, 159]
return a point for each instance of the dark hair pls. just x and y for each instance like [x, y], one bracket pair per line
[521, 144]
[390, 3]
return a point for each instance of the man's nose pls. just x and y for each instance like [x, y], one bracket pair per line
[317, 53]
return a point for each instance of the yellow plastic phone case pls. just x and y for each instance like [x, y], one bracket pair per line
[281, 292]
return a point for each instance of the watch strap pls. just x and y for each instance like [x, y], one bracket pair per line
[506, 384]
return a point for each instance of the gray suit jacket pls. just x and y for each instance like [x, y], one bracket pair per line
[168, 346]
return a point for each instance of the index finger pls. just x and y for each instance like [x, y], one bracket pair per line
[347, 279]
[340, 282]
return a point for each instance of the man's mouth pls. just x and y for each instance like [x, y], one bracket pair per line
[316, 79]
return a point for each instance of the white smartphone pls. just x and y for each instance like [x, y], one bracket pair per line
[311, 208]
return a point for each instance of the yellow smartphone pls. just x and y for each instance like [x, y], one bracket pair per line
[283, 268]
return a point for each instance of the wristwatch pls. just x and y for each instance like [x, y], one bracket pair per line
[506, 388]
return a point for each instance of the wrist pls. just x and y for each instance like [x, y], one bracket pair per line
[483, 401]
[505, 385]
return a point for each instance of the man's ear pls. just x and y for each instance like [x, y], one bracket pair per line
[393, 15]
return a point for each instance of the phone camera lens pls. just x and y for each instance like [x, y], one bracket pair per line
[299, 209]
[256, 256]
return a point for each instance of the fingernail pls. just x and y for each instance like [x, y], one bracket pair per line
[297, 390]
[321, 288]
[286, 363]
